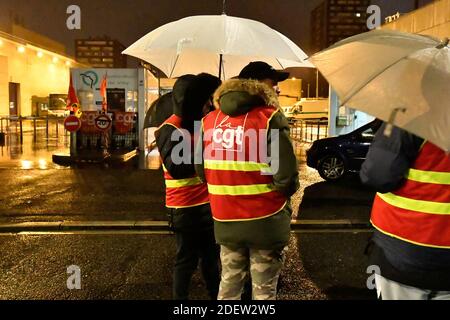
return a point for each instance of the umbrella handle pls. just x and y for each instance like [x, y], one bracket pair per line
[443, 43]
[390, 124]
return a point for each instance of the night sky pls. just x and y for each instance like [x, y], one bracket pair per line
[128, 20]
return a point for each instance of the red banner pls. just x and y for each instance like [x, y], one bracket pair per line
[124, 122]
[88, 122]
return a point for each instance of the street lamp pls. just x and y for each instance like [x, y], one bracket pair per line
[21, 49]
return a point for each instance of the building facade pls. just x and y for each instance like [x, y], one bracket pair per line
[32, 67]
[432, 19]
[335, 20]
[100, 53]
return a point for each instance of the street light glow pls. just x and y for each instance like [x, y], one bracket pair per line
[26, 164]
[43, 164]
[55, 59]
[358, 15]
[40, 54]
[21, 49]
[68, 63]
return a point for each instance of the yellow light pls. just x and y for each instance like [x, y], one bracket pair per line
[1, 42]
[68, 63]
[294, 78]
[40, 54]
[21, 49]
[42, 164]
[26, 164]
[55, 60]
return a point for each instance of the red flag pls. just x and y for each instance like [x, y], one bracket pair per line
[103, 94]
[71, 96]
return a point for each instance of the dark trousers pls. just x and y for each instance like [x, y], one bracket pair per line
[193, 247]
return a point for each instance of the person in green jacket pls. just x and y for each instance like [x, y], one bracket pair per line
[256, 246]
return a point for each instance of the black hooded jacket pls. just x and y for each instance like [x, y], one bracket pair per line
[189, 95]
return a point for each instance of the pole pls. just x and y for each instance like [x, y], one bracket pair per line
[220, 66]
[21, 131]
[317, 83]
[224, 6]
[309, 86]
[34, 129]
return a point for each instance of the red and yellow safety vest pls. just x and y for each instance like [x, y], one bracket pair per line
[183, 193]
[235, 160]
[419, 211]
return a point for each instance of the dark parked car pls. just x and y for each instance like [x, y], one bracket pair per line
[334, 157]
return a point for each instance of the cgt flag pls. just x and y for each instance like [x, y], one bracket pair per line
[72, 98]
[103, 94]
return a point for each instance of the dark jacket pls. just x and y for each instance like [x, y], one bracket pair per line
[236, 97]
[188, 97]
[385, 168]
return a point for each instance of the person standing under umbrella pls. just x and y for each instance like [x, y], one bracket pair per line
[249, 200]
[186, 195]
[411, 214]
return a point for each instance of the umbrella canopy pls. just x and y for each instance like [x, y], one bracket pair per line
[202, 43]
[398, 77]
[159, 111]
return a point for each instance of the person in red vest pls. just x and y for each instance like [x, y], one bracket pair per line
[186, 195]
[248, 161]
[411, 214]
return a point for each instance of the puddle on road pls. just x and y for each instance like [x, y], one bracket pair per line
[33, 152]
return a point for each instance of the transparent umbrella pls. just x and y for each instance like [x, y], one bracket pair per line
[216, 44]
[398, 77]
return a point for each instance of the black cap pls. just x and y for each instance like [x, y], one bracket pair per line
[259, 70]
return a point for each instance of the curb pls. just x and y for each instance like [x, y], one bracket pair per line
[162, 226]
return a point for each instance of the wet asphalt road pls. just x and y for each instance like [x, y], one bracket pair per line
[81, 194]
[125, 266]
[320, 265]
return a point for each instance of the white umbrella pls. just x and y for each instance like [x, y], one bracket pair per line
[203, 43]
[398, 77]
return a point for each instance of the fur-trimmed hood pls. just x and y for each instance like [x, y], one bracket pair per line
[237, 96]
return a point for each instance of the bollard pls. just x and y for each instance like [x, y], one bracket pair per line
[46, 127]
[34, 129]
[21, 130]
[318, 130]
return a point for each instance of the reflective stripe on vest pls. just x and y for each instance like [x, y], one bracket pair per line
[239, 190]
[237, 166]
[429, 176]
[428, 207]
[419, 211]
[183, 193]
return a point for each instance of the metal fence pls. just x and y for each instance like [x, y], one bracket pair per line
[309, 130]
[40, 127]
